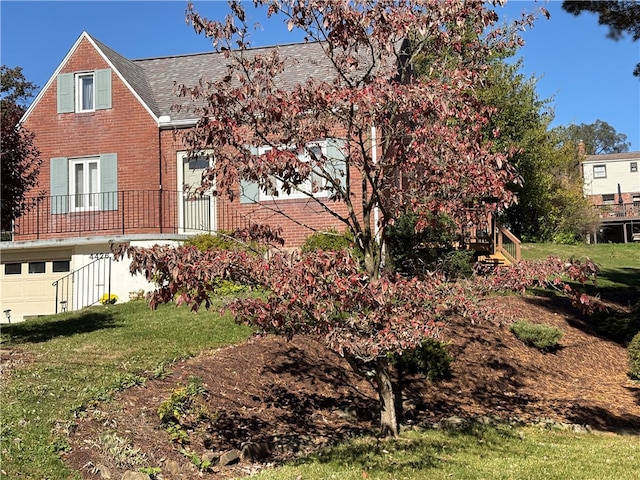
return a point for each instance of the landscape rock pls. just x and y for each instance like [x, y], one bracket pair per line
[229, 457]
[130, 475]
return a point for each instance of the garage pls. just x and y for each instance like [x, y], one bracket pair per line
[27, 279]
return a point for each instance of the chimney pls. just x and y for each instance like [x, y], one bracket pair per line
[581, 151]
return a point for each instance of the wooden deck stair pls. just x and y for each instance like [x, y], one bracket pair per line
[496, 259]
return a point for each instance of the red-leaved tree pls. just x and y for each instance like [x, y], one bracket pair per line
[399, 143]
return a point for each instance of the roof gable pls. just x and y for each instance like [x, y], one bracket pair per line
[131, 75]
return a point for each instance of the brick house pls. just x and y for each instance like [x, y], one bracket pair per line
[612, 184]
[114, 169]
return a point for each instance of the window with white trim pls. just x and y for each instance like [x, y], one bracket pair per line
[84, 184]
[608, 198]
[599, 171]
[85, 92]
[634, 167]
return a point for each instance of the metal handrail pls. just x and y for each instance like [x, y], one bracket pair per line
[85, 286]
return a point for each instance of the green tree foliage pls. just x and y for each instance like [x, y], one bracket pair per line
[20, 158]
[598, 137]
[620, 16]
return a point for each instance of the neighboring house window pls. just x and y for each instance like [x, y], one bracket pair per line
[82, 184]
[636, 200]
[599, 171]
[12, 268]
[608, 198]
[634, 167]
[315, 184]
[84, 91]
[37, 267]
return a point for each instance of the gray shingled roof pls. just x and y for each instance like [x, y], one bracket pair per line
[133, 73]
[613, 156]
[154, 78]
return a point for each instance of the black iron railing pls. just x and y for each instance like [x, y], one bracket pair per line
[85, 286]
[125, 212]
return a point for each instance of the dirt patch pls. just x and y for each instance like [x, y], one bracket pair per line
[289, 398]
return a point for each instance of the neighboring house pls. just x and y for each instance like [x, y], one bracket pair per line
[612, 184]
[114, 169]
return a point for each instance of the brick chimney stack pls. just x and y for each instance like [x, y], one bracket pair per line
[581, 153]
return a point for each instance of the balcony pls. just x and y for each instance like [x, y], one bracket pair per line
[618, 212]
[124, 212]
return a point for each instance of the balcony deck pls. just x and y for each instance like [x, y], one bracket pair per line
[619, 212]
[124, 213]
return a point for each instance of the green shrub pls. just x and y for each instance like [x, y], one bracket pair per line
[457, 263]
[633, 354]
[329, 241]
[430, 359]
[207, 241]
[412, 253]
[542, 336]
[619, 326]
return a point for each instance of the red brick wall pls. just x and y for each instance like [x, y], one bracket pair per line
[147, 159]
[126, 129]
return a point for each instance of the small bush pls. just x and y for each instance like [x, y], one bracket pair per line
[206, 241]
[108, 299]
[329, 241]
[542, 336]
[619, 326]
[633, 354]
[430, 359]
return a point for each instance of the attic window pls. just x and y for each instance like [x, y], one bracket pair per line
[84, 92]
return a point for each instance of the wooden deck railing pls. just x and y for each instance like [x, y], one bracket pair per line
[507, 244]
[618, 211]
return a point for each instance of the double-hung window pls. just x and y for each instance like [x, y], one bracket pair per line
[84, 92]
[316, 184]
[84, 184]
[599, 171]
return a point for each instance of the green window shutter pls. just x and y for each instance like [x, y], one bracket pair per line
[109, 181]
[336, 163]
[249, 191]
[59, 177]
[103, 89]
[66, 101]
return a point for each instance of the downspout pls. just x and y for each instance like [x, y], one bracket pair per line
[376, 210]
[160, 209]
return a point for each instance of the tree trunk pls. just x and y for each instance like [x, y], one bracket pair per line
[384, 386]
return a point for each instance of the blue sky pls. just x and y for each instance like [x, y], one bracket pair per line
[587, 76]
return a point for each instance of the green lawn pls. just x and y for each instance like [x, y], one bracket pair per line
[79, 358]
[74, 359]
[620, 263]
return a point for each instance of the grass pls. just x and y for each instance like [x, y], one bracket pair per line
[76, 359]
[620, 263]
[497, 452]
[83, 357]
